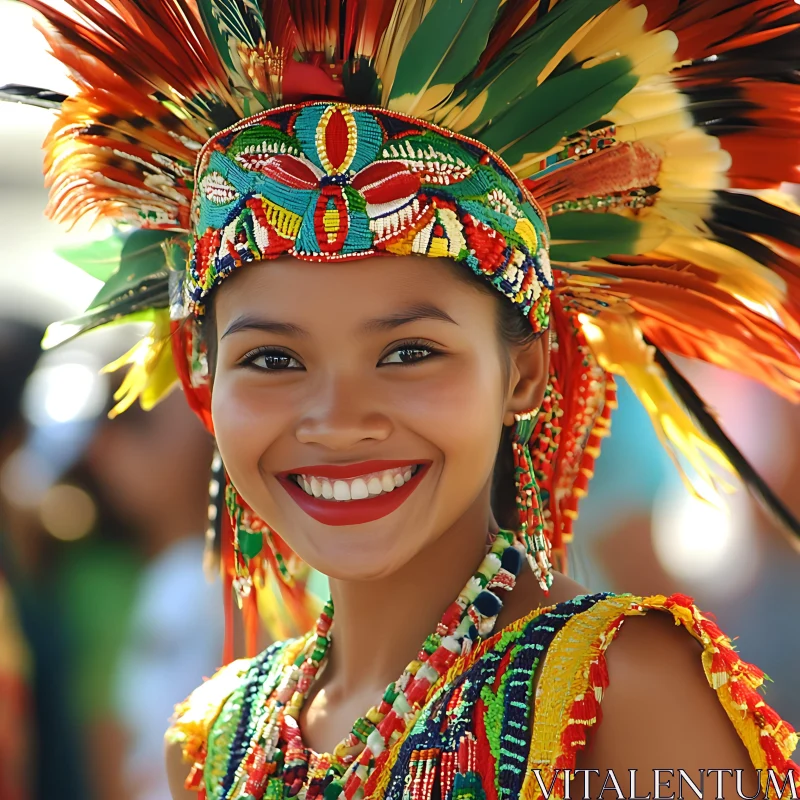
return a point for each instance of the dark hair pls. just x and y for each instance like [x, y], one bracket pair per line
[513, 329]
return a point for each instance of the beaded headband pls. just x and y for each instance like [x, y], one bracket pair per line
[332, 181]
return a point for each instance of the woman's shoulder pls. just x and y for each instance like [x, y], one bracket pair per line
[673, 679]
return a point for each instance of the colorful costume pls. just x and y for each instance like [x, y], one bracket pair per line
[610, 166]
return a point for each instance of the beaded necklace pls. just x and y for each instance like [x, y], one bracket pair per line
[277, 764]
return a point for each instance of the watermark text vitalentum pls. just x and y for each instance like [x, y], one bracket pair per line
[665, 784]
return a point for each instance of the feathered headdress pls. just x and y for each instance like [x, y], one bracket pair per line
[642, 141]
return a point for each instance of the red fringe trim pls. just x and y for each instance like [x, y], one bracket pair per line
[732, 676]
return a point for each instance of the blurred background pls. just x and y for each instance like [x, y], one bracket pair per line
[106, 619]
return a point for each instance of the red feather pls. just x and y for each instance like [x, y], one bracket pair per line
[713, 27]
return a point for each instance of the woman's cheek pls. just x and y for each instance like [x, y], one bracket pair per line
[465, 397]
[247, 419]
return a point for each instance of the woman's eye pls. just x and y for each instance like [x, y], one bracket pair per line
[409, 354]
[272, 360]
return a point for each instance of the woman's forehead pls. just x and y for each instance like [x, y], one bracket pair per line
[350, 291]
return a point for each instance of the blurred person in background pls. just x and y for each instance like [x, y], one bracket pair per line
[154, 469]
[100, 547]
[40, 751]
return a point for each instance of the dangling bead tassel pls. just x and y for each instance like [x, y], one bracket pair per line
[216, 503]
[246, 544]
[259, 551]
[529, 502]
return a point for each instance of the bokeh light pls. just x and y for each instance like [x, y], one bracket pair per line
[706, 545]
[67, 512]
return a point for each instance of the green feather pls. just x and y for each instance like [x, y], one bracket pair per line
[141, 261]
[135, 268]
[444, 48]
[581, 235]
[361, 82]
[68, 329]
[98, 259]
[516, 70]
[228, 23]
[231, 24]
[558, 108]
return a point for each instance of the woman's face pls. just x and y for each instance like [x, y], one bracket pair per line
[358, 406]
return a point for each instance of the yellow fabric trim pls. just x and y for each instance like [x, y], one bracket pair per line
[565, 679]
[194, 717]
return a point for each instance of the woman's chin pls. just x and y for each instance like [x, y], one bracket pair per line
[354, 553]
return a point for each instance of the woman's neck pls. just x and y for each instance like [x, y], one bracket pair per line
[380, 625]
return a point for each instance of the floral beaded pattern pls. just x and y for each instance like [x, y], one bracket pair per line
[331, 181]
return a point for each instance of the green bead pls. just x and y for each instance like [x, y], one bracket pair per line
[250, 544]
[333, 790]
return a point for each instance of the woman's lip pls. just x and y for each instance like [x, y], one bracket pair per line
[353, 512]
[346, 471]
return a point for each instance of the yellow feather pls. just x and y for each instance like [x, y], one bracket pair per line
[686, 143]
[569, 47]
[779, 199]
[657, 103]
[422, 105]
[736, 272]
[620, 23]
[622, 33]
[151, 374]
[618, 344]
[406, 18]
[455, 117]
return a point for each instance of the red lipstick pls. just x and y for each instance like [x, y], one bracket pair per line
[353, 512]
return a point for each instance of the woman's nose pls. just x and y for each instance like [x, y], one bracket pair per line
[342, 415]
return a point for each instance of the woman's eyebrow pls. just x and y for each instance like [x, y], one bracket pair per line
[250, 323]
[413, 313]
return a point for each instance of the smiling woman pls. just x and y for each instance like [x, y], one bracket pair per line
[348, 267]
[406, 367]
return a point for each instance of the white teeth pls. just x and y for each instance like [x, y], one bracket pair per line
[356, 488]
[341, 491]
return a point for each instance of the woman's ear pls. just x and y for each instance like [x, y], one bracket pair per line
[528, 377]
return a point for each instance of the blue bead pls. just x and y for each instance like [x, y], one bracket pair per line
[488, 604]
[512, 560]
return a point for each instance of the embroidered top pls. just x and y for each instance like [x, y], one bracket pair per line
[489, 731]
